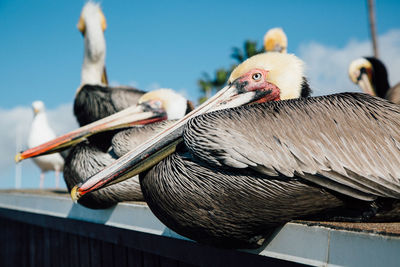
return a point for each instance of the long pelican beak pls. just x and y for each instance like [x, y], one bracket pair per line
[137, 115]
[161, 145]
[365, 83]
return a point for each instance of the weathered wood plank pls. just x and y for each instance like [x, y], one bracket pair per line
[135, 257]
[120, 257]
[150, 259]
[61, 253]
[46, 247]
[85, 242]
[32, 250]
[167, 262]
[73, 249]
[24, 244]
[84, 250]
[38, 236]
[105, 254]
[95, 251]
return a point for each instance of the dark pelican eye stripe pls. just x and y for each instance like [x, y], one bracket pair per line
[257, 76]
[363, 70]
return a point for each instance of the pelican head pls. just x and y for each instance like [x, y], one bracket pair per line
[174, 104]
[152, 107]
[360, 72]
[285, 72]
[91, 13]
[37, 106]
[371, 75]
[261, 78]
[275, 40]
[92, 25]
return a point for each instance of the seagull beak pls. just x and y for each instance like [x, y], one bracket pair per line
[163, 144]
[137, 115]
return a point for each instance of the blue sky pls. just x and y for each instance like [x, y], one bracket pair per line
[170, 44]
[167, 42]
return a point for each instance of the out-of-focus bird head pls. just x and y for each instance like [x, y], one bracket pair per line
[92, 25]
[37, 106]
[361, 72]
[91, 12]
[371, 75]
[275, 40]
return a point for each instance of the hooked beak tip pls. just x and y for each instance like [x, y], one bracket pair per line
[75, 194]
[18, 158]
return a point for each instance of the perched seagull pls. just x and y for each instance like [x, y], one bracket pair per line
[371, 75]
[41, 133]
[257, 155]
[275, 40]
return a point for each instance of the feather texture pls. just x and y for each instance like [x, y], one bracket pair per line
[94, 102]
[86, 160]
[345, 142]
[226, 207]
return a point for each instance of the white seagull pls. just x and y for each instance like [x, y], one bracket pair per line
[39, 134]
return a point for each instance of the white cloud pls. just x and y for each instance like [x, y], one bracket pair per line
[18, 118]
[153, 86]
[133, 84]
[326, 66]
[62, 119]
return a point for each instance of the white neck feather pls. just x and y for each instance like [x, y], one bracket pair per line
[95, 50]
[40, 130]
[40, 119]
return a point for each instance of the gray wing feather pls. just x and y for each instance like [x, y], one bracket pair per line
[346, 142]
[124, 97]
[393, 95]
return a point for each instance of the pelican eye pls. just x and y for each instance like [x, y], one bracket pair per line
[257, 76]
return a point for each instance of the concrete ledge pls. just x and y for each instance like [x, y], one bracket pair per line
[298, 242]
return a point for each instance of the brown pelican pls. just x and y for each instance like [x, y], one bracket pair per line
[41, 132]
[86, 158]
[241, 171]
[90, 156]
[94, 99]
[371, 75]
[275, 40]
